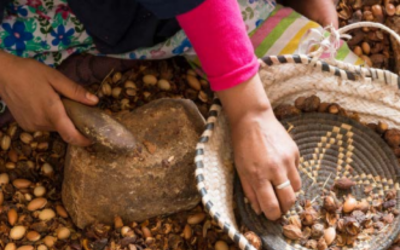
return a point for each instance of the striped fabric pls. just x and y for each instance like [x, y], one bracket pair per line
[281, 33]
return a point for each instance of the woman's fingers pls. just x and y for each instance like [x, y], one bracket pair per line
[268, 201]
[63, 124]
[285, 194]
[72, 90]
[294, 177]
[251, 196]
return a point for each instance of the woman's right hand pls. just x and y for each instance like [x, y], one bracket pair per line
[265, 154]
[31, 91]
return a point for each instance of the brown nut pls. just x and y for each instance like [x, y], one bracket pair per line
[366, 48]
[292, 232]
[390, 9]
[344, 183]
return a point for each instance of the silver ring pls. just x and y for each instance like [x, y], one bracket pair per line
[283, 185]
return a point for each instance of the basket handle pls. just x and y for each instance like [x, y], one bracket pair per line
[331, 44]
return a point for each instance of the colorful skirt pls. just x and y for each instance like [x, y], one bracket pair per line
[49, 32]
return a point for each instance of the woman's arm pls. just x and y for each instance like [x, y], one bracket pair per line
[265, 155]
[31, 91]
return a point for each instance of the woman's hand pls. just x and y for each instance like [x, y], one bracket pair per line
[31, 91]
[265, 155]
[320, 11]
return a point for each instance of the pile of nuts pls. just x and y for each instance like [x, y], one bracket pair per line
[338, 224]
[153, 80]
[334, 224]
[371, 44]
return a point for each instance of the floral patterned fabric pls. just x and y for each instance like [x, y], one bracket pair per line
[49, 32]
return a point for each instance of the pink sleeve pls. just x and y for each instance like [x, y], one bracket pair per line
[218, 35]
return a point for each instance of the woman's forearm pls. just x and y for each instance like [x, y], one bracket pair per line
[218, 35]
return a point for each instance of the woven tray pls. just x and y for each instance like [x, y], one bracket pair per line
[372, 93]
[331, 147]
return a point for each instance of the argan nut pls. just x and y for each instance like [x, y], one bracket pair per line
[5, 142]
[221, 245]
[392, 137]
[12, 216]
[11, 165]
[193, 82]
[311, 103]
[330, 235]
[21, 183]
[382, 127]
[17, 232]
[317, 230]
[13, 155]
[196, 218]
[63, 233]
[10, 246]
[292, 232]
[334, 108]
[116, 77]
[49, 241]
[366, 48]
[330, 204]
[42, 247]
[203, 96]
[377, 11]
[300, 102]
[390, 9]
[42, 146]
[39, 191]
[308, 216]
[163, 84]
[367, 60]
[363, 206]
[46, 214]
[187, 232]
[12, 130]
[118, 223]
[26, 247]
[130, 92]
[37, 203]
[28, 196]
[149, 80]
[116, 92]
[61, 211]
[368, 16]
[254, 240]
[284, 111]
[357, 50]
[126, 231]
[1, 197]
[47, 169]
[295, 220]
[4, 179]
[344, 184]
[130, 84]
[350, 204]
[33, 236]
[322, 244]
[311, 244]
[146, 232]
[26, 138]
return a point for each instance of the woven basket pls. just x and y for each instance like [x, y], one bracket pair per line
[372, 93]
